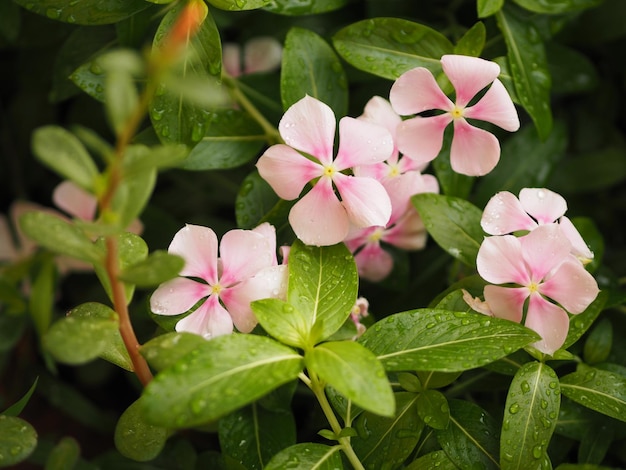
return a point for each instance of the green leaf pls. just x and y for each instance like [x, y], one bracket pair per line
[530, 415]
[433, 409]
[452, 183]
[487, 8]
[238, 5]
[159, 267]
[64, 456]
[388, 47]
[218, 377]
[255, 199]
[232, 139]
[282, 321]
[121, 98]
[354, 372]
[529, 67]
[263, 433]
[61, 151]
[599, 342]
[42, 296]
[387, 442]
[303, 7]
[472, 42]
[318, 73]
[165, 350]
[137, 439]
[10, 21]
[17, 407]
[471, 436]
[307, 456]
[87, 12]
[90, 78]
[80, 339]
[566, 6]
[453, 223]
[580, 323]
[323, 284]
[59, 236]
[571, 71]
[599, 390]
[434, 460]
[440, 340]
[144, 160]
[18, 439]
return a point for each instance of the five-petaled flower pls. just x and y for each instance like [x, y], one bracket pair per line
[544, 272]
[474, 151]
[319, 217]
[246, 270]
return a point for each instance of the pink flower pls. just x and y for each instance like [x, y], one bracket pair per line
[245, 271]
[474, 151]
[504, 213]
[319, 217]
[260, 54]
[359, 311]
[543, 270]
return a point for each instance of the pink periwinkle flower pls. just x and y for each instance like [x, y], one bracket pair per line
[505, 213]
[320, 217]
[474, 151]
[260, 54]
[359, 311]
[540, 266]
[246, 270]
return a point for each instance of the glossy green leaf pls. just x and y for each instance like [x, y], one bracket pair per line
[434, 460]
[580, 323]
[307, 456]
[529, 67]
[16, 408]
[487, 8]
[64, 456]
[318, 73]
[472, 42]
[433, 409]
[571, 71]
[303, 7]
[453, 223]
[440, 340]
[18, 439]
[159, 267]
[87, 12]
[42, 296]
[282, 321]
[530, 415]
[137, 439]
[238, 5]
[599, 390]
[90, 78]
[255, 199]
[121, 99]
[59, 236]
[431, 379]
[218, 377]
[165, 350]
[552, 7]
[599, 342]
[388, 47]
[232, 139]
[323, 285]
[354, 372]
[61, 151]
[471, 436]
[143, 160]
[387, 442]
[263, 433]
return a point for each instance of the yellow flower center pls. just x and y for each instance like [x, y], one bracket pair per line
[533, 287]
[329, 171]
[393, 171]
[216, 289]
[376, 235]
[457, 112]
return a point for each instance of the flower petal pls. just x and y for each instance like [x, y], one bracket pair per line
[416, 91]
[505, 214]
[373, 263]
[571, 286]
[544, 249]
[74, 200]
[409, 233]
[198, 247]
[286, 170]
[177, 296]
[262, 54]
[421, 138]
[506, 302]
[379, 111]
[474, 151]
[319, 218]
[544, 205]
[362, 143]
[579, 247]
[209, 320]
[495, 107]
[468, 75]
[243, 254]
[550, 321]
[231, 59]
[309, 126]
[269, 232]
[365, 199]
[500, 261]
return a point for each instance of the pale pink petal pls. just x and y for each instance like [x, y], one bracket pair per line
[284, 253]
[379, 111]
[550, 321]
[544, 249]
[231, 59]
[365, 199]
[177, 296]
[476, 304]
[474, 151]
[270, 282]
[286, 170]
[378, 171]
[544, 205]
[198, 247]
[362, 143]
[243, 254]
[579, 247]
[262, 54]
[506, 302]
[209, 320]
[357, 237]
[409, 233]
[74, 200]
[468, 75]
[7, 245]
[500, 261]
[319, 218]
[505, 214]
[269, 232]
[309, 126]
[136, 227]
[495, 107]
[416, 91]
[400, 190]
[571, 286]
[373, 263]
[421, 138]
